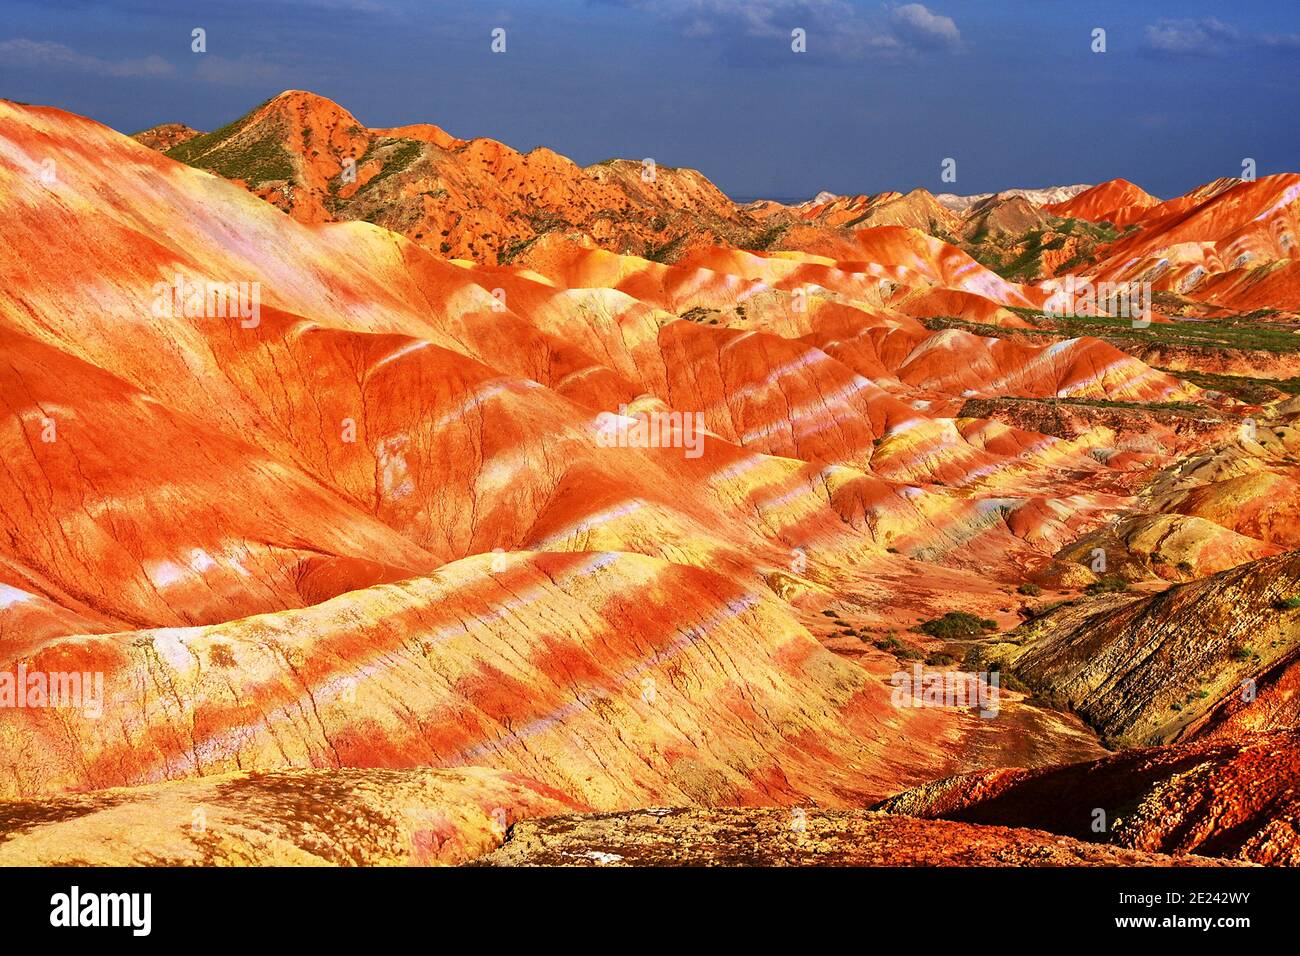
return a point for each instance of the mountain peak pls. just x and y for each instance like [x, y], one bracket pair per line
[165, 136]
[307, 108]
[1116, 200]
[475, 199]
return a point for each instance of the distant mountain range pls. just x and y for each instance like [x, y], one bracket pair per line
[1039, 197]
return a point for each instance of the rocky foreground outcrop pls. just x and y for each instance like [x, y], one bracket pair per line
[1238, 800]
[434, 817]
[773, 837]
[416, 817]
[1153, 670]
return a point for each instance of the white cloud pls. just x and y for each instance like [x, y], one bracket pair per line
[1210, 37]
[917, 24]
[42, 53]
[834, 27]
[1191, 36]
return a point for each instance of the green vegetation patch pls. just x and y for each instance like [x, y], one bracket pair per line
[255, 162]
[764, 240]
[1043, 610]
[971, 408]
[1027, 264]
[902, 650]
[399, 154]
[259, 162]
[1234, 334]
[192, 149]
[1244, 388]
[1106, 586]
[958, 625]
[515, 249]
[663, 251]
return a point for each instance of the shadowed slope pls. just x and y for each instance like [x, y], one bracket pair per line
[1147, 670]
[1234, 799]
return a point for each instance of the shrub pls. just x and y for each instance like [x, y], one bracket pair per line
[1106, 585]
[1009, 681]
[958, 625]
[900, 649]
[1030, 590]
[1045, 609]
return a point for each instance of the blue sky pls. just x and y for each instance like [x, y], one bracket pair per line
[885, 91]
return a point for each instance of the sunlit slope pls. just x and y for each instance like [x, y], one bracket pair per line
[406, 388]
[618, 679]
